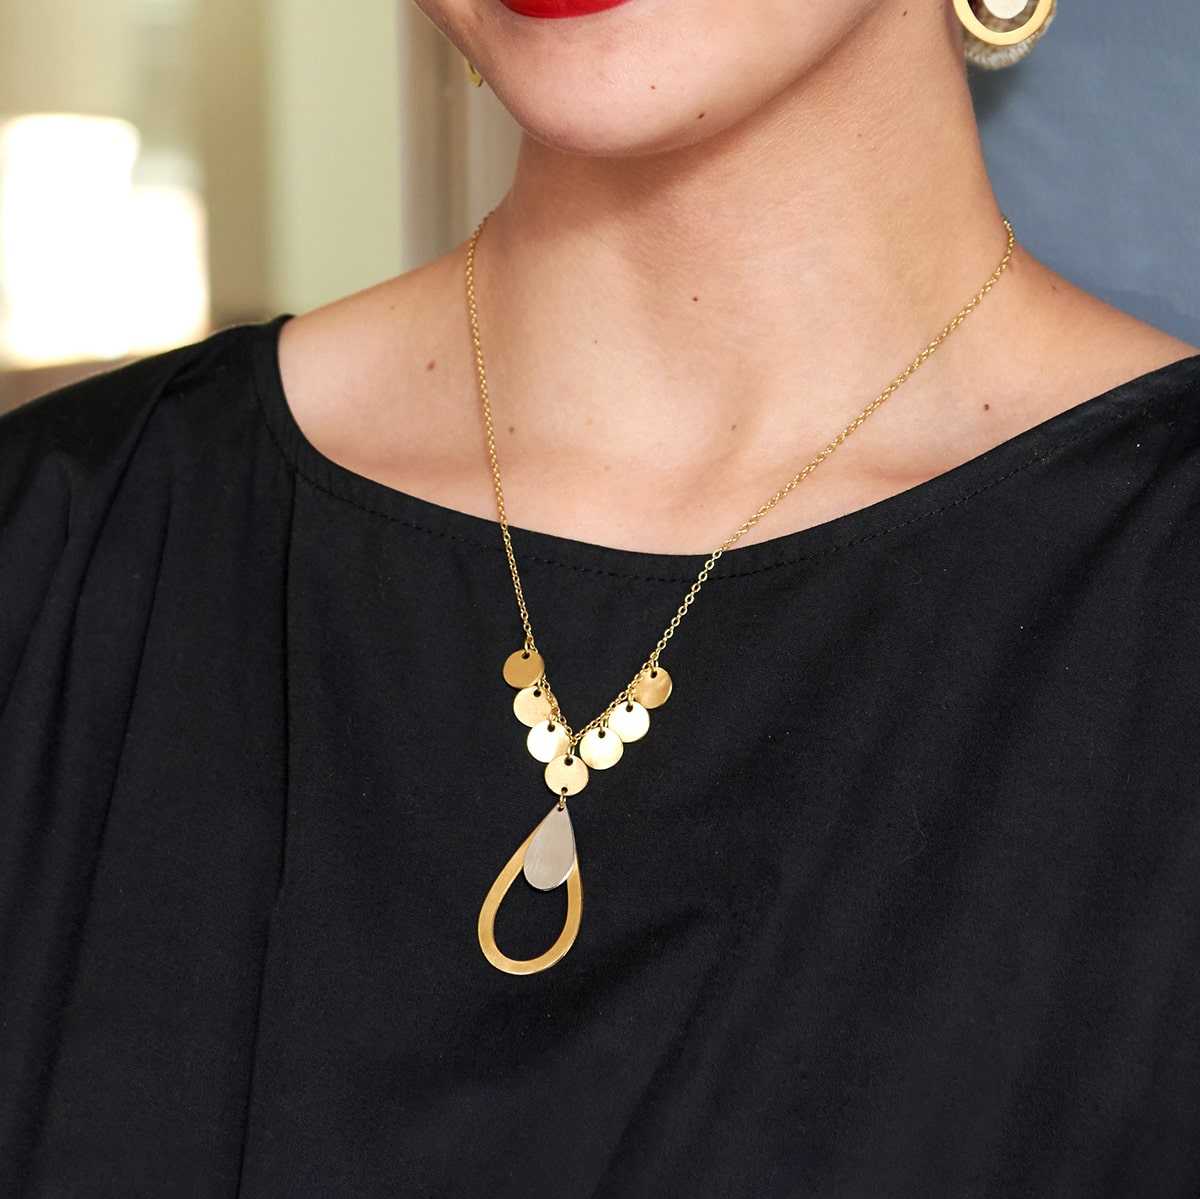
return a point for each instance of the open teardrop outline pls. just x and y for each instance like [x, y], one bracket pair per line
[495, 897]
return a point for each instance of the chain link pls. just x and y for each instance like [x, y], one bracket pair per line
[706, 570]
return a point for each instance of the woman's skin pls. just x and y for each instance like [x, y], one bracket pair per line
[733, 222]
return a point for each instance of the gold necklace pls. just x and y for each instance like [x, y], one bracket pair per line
[547, 856]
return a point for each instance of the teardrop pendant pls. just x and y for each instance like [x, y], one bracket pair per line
[500, 888]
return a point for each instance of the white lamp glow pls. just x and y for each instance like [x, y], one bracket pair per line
[90, 266]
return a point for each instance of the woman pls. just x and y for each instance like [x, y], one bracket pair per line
[897, 895]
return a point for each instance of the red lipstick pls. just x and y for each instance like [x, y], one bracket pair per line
[559, 8]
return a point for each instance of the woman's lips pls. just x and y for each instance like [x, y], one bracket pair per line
[559, 8]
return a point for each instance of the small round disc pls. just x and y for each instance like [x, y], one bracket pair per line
[547, 741]
[601, 748]
[654, 688]
[532, 705]
[567, 775]
[524, 668]
[630, 721]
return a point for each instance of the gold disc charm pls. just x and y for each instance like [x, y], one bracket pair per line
[630, 721]
[654, 688]
[601, 748]
[532, 705]
[524, 668]
[495, 897]
[547, 741]
[567, 775]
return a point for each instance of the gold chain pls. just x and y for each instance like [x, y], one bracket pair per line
[651, 662]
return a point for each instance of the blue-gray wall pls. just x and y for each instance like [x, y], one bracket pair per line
[1093, 142]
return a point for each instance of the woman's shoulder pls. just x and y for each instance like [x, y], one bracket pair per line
[90, 429]
[86, 418]
[382, 383]
[95, 478]
[1065, 345]
[1059, 361]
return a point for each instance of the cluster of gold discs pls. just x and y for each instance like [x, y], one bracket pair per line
[568, 756]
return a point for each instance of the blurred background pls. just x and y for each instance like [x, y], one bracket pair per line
[168, 167]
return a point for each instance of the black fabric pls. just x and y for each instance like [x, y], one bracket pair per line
[899, 897]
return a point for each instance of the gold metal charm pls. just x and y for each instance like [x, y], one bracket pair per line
[524, 668]
[547, 741]
[532, 705]
[630, 721]
[567, 775]
[601, 748]
[653, 688]
[495, 897]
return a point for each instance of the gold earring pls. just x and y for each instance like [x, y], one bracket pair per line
[473, 75]
[1011, 37]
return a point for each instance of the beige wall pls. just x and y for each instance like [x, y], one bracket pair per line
[333, 121]
[66, 56]
[370, 153]
[457, 145]
[229, 116]
[337, 145]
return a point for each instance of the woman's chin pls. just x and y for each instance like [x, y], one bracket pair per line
[591, 141]
[615, 128]
[646, 78]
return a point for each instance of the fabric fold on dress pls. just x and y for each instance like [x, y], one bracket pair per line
[130, 740]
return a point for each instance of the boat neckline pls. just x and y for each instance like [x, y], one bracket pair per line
[921, 502]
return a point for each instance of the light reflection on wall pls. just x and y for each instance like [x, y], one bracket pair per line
[101, 255]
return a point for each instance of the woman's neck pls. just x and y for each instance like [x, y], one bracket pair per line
[826, 242]
[669, 338]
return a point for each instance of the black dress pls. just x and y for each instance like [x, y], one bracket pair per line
[899, 897]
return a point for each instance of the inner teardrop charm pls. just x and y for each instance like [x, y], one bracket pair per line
[551, 854]
[500, 888]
